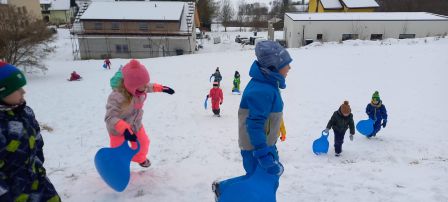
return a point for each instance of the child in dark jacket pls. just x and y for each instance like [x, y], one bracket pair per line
[22, 174]
[341, 120]
[217, 76]
[377, 112]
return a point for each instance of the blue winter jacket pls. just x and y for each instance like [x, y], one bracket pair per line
[22, 174]
[376, 113]
[261, 109]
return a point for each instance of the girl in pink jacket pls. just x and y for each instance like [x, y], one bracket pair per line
[124, 109]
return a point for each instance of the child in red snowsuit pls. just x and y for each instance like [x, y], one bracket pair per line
[107, 62]
[217, 98]
[74, 76]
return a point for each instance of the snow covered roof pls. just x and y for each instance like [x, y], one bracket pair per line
[45, 1]
[133, 10]
[360, 3]
[331, 4]
[60, 5]
[366, 16]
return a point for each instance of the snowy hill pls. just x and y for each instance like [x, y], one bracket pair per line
[408, 161]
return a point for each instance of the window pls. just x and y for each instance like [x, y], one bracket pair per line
[115, 26]
[406, 36]
[143, 26]
[146, 46]
[319, 37]
[98, 26]
[349, 36]
[160, 26]
[374, 37]
[121, 49]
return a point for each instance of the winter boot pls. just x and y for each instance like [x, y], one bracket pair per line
[215, 189]
[145, 164]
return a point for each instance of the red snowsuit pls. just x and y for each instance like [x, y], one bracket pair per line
[107, 62]
[216, 96]
[74, 76]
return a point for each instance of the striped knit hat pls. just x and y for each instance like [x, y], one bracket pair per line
[11, 79]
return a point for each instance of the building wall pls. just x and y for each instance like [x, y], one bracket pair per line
[138, 47]
[60, 17]
[333, 30]
[32, 7]
[131, 27]
[312, 6]
[321, 9]
[358, 9]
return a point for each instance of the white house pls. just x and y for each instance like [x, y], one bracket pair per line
[136, 29]
[304, 28]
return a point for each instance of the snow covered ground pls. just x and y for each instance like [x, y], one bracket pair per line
[190, 148]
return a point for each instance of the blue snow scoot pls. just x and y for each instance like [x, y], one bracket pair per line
[113, 165]
[259, 187]
[320, 145]
[365, 127]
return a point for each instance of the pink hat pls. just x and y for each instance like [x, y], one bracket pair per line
[135, 76]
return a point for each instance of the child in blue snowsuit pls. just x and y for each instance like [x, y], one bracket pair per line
[22, 173]
[260, 113]
[377, 112]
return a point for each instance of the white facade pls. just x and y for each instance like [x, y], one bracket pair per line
[301, 29]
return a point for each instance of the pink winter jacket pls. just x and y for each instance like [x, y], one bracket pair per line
[115, 111]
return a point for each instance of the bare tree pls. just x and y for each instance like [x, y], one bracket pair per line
[24, 41]
[241, 12]
[227, 13]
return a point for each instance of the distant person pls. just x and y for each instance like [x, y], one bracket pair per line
[377, 112]
[107, 63]
[74, 76]
[236, 83]
[217, 98]
[217, 76]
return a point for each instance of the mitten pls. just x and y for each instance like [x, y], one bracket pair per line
[130, 137]
[168, 90]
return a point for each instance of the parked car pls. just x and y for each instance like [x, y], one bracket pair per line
[239, 39]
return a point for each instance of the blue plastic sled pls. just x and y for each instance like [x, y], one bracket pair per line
[260, 187]
[365, 127]
[320, 146]
[104, 66]
[113, 165]
[205, 102]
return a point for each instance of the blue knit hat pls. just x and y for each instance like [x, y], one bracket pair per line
[272, 54]
[11, 79]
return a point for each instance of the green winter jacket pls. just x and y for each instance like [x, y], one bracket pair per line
[341, 123]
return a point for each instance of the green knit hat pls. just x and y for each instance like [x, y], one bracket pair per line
[11, 79]
[376, 96]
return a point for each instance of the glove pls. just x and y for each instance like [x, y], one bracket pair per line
[327, 130]
[168, 90]
[351, 137]
[283, 138]
[130, 137]
[384, 123]
[266, 160]
[121, 126]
